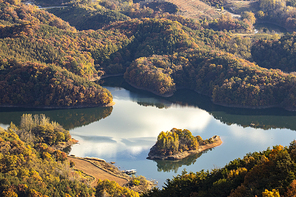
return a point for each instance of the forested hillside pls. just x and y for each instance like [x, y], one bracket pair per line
[45, 61]
[31, 167]
[33, 164]
[277, 54]
[33, 84]
[185, 54]
[85, 17]
[156, 54]
[267, 173]
[226, 78]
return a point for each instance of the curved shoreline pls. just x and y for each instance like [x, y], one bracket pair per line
[220, 104]
[249, 107]
[55, 107]
[274, 23]
[151, 91]
[100, 169]
[185, 154]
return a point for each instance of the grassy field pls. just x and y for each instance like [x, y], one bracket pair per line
[195, 9]
[238, 7]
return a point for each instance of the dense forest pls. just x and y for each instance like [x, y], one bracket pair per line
[40, 64]
[276, 54]
[53, 57]
[31, 166]
[226, 78]
[184, 53]
[33, 84]
[281, 12]
[89, 17]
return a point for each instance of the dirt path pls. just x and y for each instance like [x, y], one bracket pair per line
[96, 172]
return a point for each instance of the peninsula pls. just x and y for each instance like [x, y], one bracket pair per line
[178, 144]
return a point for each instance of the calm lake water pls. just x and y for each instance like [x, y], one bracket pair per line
[269, 28]
[125, 132]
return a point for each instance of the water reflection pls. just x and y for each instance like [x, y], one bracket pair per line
[174, 165]
[269, 28]
[256, 118]
[125, 132]
[68, 118]
[128, 134]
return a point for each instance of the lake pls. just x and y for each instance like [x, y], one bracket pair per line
[125, 132]
[266, 27]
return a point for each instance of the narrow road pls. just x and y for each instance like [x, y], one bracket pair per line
[96, 172]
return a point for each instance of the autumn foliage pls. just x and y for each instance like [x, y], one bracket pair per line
[176, 141]
[28, 168]
[267, 173]
[33, 84]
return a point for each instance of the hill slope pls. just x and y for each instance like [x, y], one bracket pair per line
[46, 62]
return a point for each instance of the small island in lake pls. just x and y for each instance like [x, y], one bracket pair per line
[178, 144]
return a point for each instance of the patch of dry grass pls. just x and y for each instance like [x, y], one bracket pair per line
[239, 7]
[195, 9]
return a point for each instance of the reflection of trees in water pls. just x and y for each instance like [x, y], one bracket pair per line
[68, 118]
[264, 119]
[72, 118]
[77, 118]
[257, 118]
[174, 165]
[158, 105]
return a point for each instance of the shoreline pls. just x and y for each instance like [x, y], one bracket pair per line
[275, 23]
[249, 107]
[151, 91]
[110, 75]
[185, 154]
[56, 107]
[216, 103]
[100, 169]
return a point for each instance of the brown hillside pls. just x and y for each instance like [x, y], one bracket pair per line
[195, 9]
[98, 173]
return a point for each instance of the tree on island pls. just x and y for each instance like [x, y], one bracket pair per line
[176, 141]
